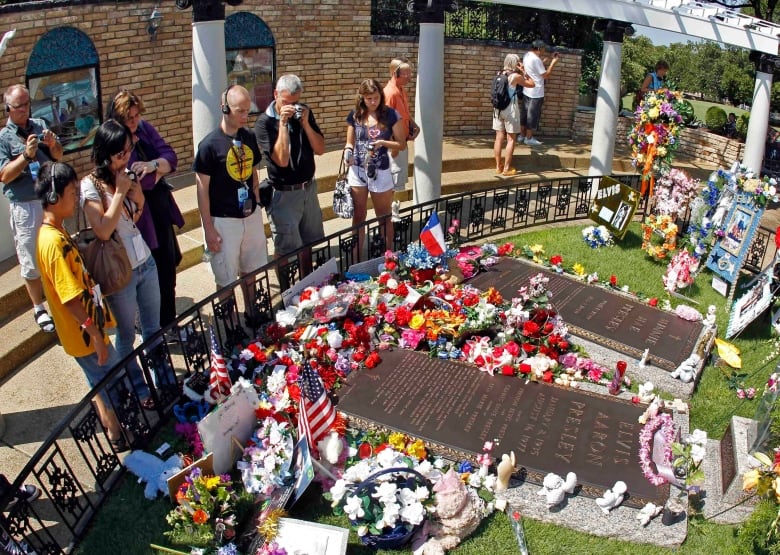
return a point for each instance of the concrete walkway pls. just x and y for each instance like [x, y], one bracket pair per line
[39, 383]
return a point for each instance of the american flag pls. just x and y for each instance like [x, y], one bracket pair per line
[316, 414]
[219, 381]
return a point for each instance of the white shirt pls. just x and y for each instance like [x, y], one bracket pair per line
[534, 68]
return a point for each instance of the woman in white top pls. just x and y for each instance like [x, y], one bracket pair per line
[113, 202]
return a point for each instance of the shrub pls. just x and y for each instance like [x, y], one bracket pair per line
[752, 533]
[742, 125]
[685, 109]
[715, 118]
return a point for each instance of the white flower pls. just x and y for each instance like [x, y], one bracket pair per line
[406, 497]
[413, 514]
[390, 515]
[287, 316]
[335, 339]
[354, 508]
[277, 380]
[338, 490]
[358, 472]
[475, 480]
[392, 283]
[327, 291]
[388, 458]
[385, 492]
[490, 482]
[362, 530]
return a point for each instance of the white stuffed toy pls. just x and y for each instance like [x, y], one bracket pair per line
[153, 470]
[555, 488]
[612, 497]
[687, 370]
[648, 513]
[646, 392]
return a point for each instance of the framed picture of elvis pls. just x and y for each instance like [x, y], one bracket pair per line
[728, 254]
[614, 206]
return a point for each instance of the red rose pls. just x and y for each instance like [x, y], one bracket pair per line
[530, 329]
[505, 249]
[635, 400]
[390, 265]
[563, 346]
[556, 260]
[372, 360]
[512, 348]
[507, 370]
[528, 348]
[365, 450]
[525, 368]
[653, 301]
[547, 376]
[613, 280]
[384, 278]
[358, 356]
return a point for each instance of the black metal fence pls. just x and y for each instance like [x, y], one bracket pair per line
[77, 467]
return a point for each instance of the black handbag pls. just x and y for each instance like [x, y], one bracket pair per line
[343, 205]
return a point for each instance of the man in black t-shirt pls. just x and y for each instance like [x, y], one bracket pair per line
[289, 136]
[227, 186]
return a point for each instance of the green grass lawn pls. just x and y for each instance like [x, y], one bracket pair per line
[700, 107]
[130, 521]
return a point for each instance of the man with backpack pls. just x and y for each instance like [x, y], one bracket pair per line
[506, 111]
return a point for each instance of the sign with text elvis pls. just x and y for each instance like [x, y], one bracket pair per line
[614, 206]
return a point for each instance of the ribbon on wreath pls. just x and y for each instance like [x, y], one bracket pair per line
[479, 352]
[648, 179]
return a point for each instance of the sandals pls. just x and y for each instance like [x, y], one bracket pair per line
[119, 444]
[44, 321]
[509, 172]
[149, 404]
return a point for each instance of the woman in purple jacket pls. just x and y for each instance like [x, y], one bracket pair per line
[151, 159]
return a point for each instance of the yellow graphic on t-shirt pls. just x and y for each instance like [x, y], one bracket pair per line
[239, 162]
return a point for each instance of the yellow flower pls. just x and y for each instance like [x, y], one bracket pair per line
[776, 485]
[654, 113]
[661, 151]
[537, 249]
[750, 480]
[397, 441]
[751, 185]
[417, 450]
[579, 269]
[417, 321]
[211, 482]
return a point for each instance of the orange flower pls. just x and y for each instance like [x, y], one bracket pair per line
[200, 517]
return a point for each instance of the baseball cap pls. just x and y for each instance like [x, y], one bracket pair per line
[539, 44]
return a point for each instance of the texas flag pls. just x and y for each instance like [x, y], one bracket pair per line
[432, 236]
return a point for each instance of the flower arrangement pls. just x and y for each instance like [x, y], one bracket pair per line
[663, 422]
[764, 480]
[597, 236]
[745, 182]
[267, 456]
[681, 271]
[688, 456]
[208, 511]
[655, 135]
[674, 191]
[668, 229]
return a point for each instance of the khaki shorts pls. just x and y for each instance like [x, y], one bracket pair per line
[508, 119]
[26, 219]
[243, 247]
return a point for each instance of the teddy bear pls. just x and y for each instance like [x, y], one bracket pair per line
[648, 513]
[458, 510]
[153, 470]
[612, 497]
[687, 370]
[555, 488]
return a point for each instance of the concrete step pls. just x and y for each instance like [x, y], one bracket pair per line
[468, 165]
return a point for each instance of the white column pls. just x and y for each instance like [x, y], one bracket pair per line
[759, 122]
[7, 248]
[209, 76]
[429, 112]
[608, 101]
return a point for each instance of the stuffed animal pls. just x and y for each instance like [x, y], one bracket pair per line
[504, 471]
[687, 370]
[612, 497]
[555, 488]
[153, 470]
[648, 513]
[458, 510]
[646, 394]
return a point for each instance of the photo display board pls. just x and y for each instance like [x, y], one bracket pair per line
[614, 206]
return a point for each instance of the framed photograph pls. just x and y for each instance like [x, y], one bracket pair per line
[614, 205]
[737, 230]
[312, 538]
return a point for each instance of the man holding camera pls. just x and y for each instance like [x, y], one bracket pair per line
[533, 97]
[25, 143]
[289, 137]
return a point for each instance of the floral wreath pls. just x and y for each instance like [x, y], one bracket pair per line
[665, 423]
[665, 224]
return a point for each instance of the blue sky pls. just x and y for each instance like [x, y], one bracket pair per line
[663, 38]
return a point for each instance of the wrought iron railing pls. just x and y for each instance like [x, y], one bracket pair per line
[77, 467]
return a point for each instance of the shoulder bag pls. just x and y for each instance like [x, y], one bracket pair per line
[106, 261]
[343, 205]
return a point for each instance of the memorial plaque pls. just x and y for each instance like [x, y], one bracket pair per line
[599, 315]
[728, 459]
[455, 408]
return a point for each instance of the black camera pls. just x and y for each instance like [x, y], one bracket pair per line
[130, 174]
[371, 169]
[298, 111]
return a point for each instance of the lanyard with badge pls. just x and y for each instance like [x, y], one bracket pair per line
[244, 200]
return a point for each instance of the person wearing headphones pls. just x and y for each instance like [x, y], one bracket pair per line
[397, 98]
[25, 143]
[228, 189]
[289, 136]
[80, 312]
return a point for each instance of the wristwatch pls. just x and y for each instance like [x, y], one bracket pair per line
[156, 164]
[24, 155]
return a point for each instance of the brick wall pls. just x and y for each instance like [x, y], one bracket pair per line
[695, 144]
[327, 43]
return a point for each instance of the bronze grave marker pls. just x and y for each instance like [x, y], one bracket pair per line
[599, 315]
[455, 408]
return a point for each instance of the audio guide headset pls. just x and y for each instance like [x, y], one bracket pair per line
[225, 105]
[51, 196]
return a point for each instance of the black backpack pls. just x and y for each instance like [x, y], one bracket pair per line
[500, 96]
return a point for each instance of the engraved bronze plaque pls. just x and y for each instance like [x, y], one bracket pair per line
[599, 315]
[728, 460]
[455, 408]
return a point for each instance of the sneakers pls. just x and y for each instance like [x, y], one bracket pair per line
[44, 321]
[28, 492]
[532, 141]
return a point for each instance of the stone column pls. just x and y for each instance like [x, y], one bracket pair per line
[429, 99]
[209, 74]
[759, 113]
[608, 101]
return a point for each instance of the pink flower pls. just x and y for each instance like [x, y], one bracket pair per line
[740, 393]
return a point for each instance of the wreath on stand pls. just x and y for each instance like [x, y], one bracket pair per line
[666, 227]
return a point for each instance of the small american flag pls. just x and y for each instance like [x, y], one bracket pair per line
[219, 381]
[316, 414]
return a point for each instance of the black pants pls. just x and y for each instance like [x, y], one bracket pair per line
[167, 255]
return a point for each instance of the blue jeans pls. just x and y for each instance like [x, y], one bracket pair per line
[142, 297]
[94, 372]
